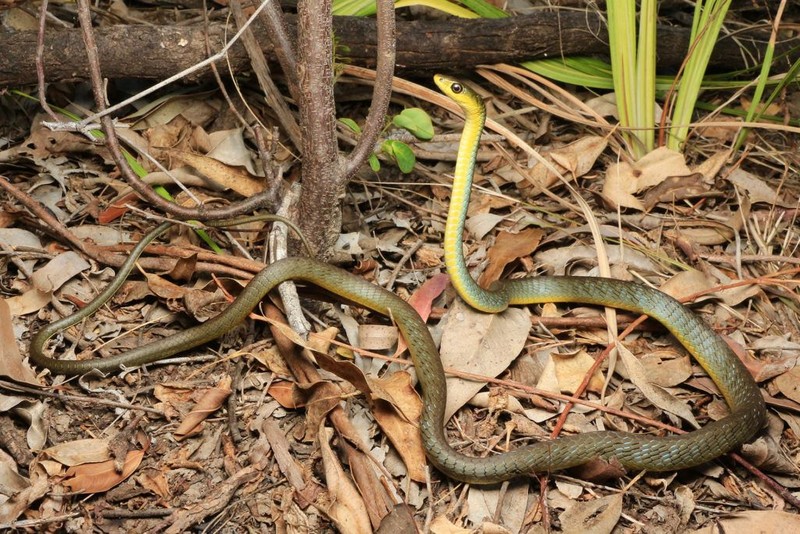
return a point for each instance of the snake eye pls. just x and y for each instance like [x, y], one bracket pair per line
[457, 88]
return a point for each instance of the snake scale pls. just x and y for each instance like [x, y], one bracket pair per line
[635, 451]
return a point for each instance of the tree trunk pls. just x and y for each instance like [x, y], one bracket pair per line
[320, 212]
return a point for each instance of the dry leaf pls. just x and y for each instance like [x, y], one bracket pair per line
[757, 521]
[429, 255]
[559, 260]
[344, 504]
[676, 188]
[210, 402]
[163, 288]
[229, 147]
[57, 271]
[399, 520]
[10, 480]
[286, 395]
[507, 248]
[654, 393]
[756, 189]
[570, 370]
[789, 384]
[36, 413]
[598, 516]
[395, 406]
[442, 525]
[45, 281]
[15, 238]
[482, 503]
[623, 179]
[724, 132]
[81, 451]
[667, 368]
[15, 505]
[398, 412]
[270, 357]
[481, 224]
[100, 477]
[481, 344]
[31, 301]
[604, 105]
[155, 481]
[11, 361]
[573, 160]
[702, 233]
[377, 337]
[687, 283]
[231, 177]
[571, 490]
[422, 301]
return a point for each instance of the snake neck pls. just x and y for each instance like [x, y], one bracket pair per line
[460, 277]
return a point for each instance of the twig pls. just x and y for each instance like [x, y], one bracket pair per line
[259, 63]
[381, 93]
[44, 215]
[32, 523]
[42, 85]
[18, 388]
[278, 32]
[122, 513]
[406, 256]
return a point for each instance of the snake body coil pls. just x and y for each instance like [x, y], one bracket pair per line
[631, 450]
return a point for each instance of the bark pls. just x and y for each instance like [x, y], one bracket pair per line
[422, 46]
[320, 215]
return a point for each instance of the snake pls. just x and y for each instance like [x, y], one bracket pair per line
[637, 451]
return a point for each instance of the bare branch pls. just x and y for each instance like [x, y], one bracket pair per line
[271, 92]
[278, 31]
[381, 93]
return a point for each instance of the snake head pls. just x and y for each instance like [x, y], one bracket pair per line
[468, 100]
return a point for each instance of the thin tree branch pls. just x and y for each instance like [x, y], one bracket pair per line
[183, 74]
[278, 31]
[42, 85]
[271, 92]
[381, 93]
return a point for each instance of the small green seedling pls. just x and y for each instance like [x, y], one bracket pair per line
[416, 121]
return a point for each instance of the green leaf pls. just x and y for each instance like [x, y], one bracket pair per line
[440, 5]
[401, 153]
[416, 121]
[485, 9]
[350, 123]
[354, 8]
[374, 163]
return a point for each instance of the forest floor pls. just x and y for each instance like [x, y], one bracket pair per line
[266, 431]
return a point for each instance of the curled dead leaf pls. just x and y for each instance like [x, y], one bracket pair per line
[343, 503]
[210, 402]
[100, 477]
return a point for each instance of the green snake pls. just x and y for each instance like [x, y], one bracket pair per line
[635, 451]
